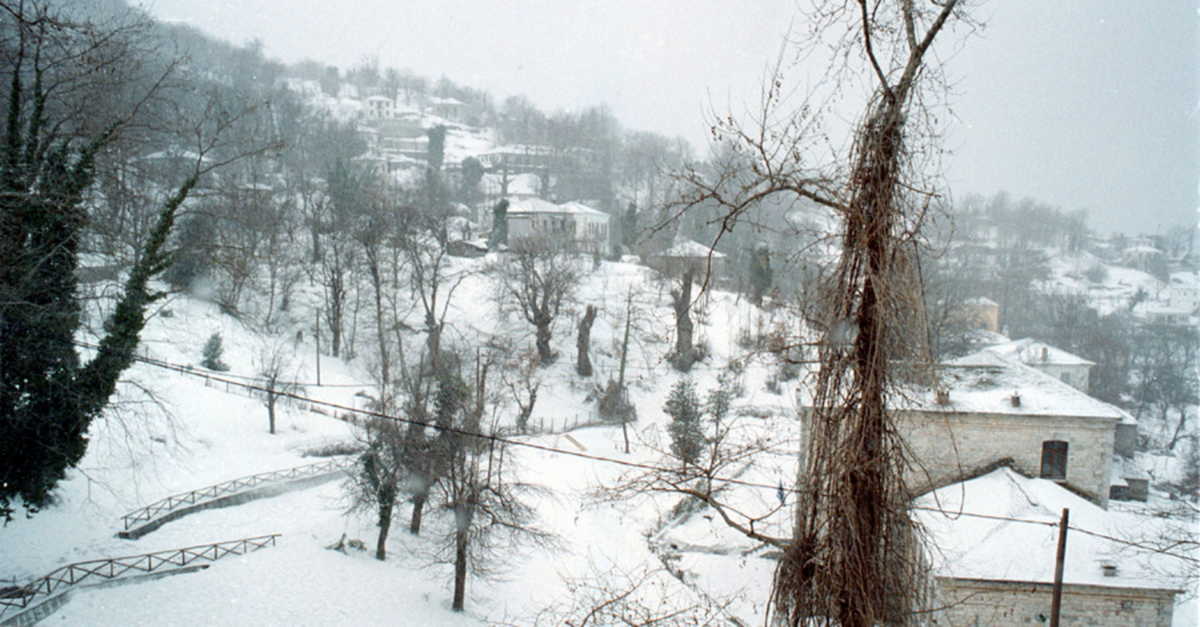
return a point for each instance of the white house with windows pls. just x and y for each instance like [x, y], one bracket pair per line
[1070, 369]
[571, 223]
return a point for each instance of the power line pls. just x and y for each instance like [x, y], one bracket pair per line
[185, 369]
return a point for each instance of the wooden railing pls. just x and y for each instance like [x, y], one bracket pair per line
[20, 597]
[226, 488]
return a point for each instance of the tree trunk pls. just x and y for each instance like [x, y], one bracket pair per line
[682, 303]
[414, 526]
[460, 566]
[543, 342]
[385, 525]
[271, 412]
[583, 363]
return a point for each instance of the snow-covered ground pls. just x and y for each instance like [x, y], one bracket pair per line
[195, 434]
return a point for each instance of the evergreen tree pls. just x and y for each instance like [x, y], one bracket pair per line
[499, 234]
[687, 434]
[48, 155]
[629, 228]
[213, 350]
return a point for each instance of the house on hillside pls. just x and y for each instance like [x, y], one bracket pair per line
[988, 409]
[380, 107]
[1070, 369]
[571, 223]
[993, 567]
[1183, 292]
[448, 107]
[687, 254]
[982, 313]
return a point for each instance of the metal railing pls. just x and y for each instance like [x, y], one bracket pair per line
[21, 597]
[226, 488]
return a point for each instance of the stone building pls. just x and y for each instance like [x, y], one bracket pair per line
[996, 565]
[988, 409]
[1070, 369]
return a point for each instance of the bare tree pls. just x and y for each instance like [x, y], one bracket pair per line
[275, 365]
[491, 510]
[852, 560]
[639, 598]
[423, 240]
[521, 377]
[539, 275]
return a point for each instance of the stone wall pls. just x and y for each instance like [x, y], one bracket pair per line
[980, 602]
[948, 446]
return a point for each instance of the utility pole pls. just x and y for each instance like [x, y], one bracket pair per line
[621, 375]
[1056, 604]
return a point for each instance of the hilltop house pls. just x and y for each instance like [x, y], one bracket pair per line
[1070, 369]
[994, 568]
[982, 313]
[570, 223]
[687, 254]
[988, 409]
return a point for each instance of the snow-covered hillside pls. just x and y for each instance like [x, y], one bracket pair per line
[171, 432]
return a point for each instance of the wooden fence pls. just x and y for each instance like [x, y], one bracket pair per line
[17, 598]
[190, 498]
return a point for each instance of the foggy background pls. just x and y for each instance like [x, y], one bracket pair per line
[1084, 105]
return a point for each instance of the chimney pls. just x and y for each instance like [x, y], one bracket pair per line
[1015, 399]
[1108, 568]
[1045, 354]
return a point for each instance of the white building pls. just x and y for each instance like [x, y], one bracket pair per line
[994, 540]
[572, 223]
[1070, 369]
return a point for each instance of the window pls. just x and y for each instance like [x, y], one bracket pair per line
[1054, 459]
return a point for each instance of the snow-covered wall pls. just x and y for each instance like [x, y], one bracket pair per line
[981, 602]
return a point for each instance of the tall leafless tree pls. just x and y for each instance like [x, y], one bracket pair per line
[852, 560]
[540, 275]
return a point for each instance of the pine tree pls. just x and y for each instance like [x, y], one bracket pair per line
[213, 350]
[687, 434]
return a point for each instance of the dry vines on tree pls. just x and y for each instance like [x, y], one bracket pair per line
[854, 558]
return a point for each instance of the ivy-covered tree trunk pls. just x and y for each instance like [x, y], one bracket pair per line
[583, 363]
[542, 338]
[681, 301]
[386, 506]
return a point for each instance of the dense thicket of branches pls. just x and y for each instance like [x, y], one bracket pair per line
[852, 559]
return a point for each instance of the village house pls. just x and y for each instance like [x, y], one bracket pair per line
[982, 313]
[988, 409]
[686, 254]
[994, 540]
[570, 223]
[1071, 369]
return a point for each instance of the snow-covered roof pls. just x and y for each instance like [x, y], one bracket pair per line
[582, 209]
[537, 205]
[982, 300]
[984, 382]
[532, 205]
[970, 547]
[1033, 352]
[687, 248]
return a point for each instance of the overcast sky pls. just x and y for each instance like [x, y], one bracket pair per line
[1081, 104]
